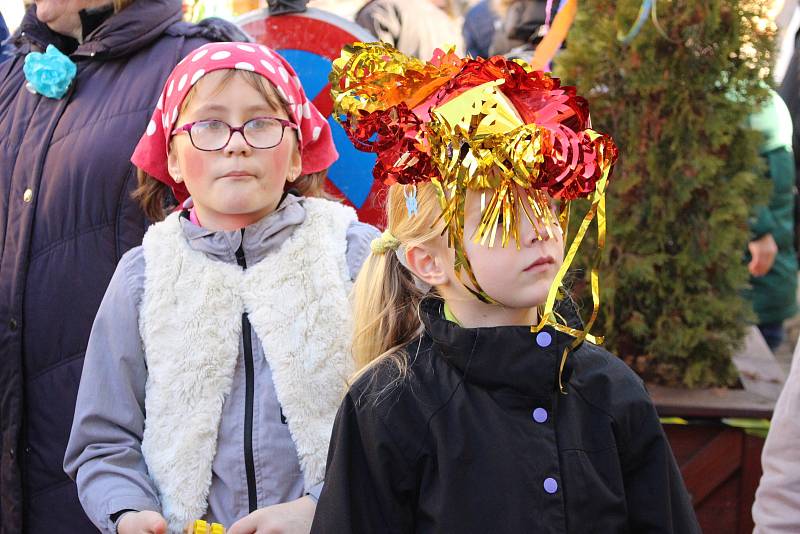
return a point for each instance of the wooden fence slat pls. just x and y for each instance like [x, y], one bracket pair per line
[713, 464]
[751, 476]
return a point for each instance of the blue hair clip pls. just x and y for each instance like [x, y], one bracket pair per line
[411, 200]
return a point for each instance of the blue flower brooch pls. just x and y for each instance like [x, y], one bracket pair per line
[49, 74]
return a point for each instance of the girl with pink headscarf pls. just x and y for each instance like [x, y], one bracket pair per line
[220, 352]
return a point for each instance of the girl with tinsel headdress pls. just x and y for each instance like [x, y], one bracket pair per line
[483, 403]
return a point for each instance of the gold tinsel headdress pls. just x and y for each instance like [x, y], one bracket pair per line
[490, 125]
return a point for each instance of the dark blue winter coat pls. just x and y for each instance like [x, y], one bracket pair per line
[5, 49]
[66, 218]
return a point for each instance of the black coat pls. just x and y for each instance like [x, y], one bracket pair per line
[477, 439]
[66, 219]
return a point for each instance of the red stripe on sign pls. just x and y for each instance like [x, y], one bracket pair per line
[323, 101]
[300, 33]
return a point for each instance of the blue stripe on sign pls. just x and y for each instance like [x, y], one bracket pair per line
[311, 68]
[352, 172]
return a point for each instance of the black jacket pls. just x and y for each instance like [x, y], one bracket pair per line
[477, 439]
[67, 218]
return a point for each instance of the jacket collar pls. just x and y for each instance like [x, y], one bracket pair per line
[123, 33]
[256, 240]
[504, 357]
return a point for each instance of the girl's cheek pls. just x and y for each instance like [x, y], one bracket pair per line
[194, 165]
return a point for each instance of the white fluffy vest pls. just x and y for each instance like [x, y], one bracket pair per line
[190, 323]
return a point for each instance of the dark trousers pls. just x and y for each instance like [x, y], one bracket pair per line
[773, 334]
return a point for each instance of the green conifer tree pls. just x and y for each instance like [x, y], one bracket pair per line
[687, 178]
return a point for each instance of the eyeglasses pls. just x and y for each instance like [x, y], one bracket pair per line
[260, 132]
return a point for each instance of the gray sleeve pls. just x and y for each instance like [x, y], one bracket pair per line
[778, 496]
[104, 454]
[359, 237]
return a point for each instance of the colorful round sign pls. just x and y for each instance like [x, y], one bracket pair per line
[310, 41]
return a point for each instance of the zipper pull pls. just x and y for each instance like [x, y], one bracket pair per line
[240, 259]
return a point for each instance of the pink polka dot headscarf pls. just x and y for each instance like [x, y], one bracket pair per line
[314, 133]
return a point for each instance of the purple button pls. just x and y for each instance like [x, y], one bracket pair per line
[550, 485]
[543, 339]
[540, 415]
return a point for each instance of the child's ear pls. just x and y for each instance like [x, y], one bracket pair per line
[427, 265]
[173, 167]
[295, 166]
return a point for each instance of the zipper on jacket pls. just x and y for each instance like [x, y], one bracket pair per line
[249, 462]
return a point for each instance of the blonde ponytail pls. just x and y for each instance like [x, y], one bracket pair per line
[386, 297]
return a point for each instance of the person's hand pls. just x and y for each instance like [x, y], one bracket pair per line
[763, 251]
[142, 523]
[293, 517]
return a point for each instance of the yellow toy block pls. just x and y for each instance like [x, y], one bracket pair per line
[202, 527]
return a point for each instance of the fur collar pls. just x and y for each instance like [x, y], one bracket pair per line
[297, 302]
